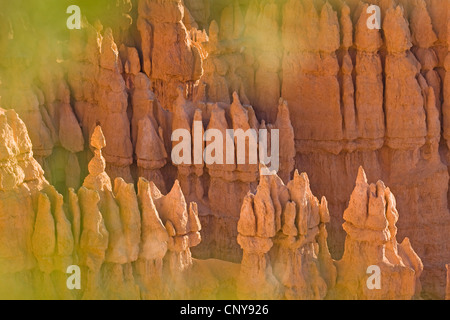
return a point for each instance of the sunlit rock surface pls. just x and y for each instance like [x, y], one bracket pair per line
[342, 96]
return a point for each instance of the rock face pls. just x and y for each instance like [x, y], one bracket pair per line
[35, 86]
[341, 95]
[356, 97]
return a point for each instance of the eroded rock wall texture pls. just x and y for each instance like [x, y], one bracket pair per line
[342, 96]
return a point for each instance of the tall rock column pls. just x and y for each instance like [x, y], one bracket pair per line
[262, 26]
[100, 95]
[256, 279]
[154, 246]
[170, 58]
[310, 68]
[369, 83]
[445, 39]
[183, 228]
[21, 180]
[423, 38]
[415, 143]
[346, 76]
[149, 121]
[94, 237]
[403, 96]
[53, 245]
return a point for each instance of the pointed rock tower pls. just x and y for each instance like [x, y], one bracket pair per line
[374, 265]
[97, 178]
[283, 235]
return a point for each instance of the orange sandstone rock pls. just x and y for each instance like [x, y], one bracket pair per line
[370, 224]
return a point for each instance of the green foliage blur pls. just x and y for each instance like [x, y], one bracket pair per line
[50, 15]
[28, 26]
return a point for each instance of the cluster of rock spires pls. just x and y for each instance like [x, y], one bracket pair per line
[217, 188]
[282, 231]
[137, 246]
[350, 96]
[356, 96]
[128, 245]
[283, 235]
[370, 224]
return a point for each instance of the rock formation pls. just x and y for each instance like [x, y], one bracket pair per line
[137, 246]
[221, 188]
[128, 245]
[348, 88]
[150, 230]
[99, 91]
[169, 57]
[282, 233]
[447, 294]
[21, 182]
[34, 85]
[340, 94]
[370, 224]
